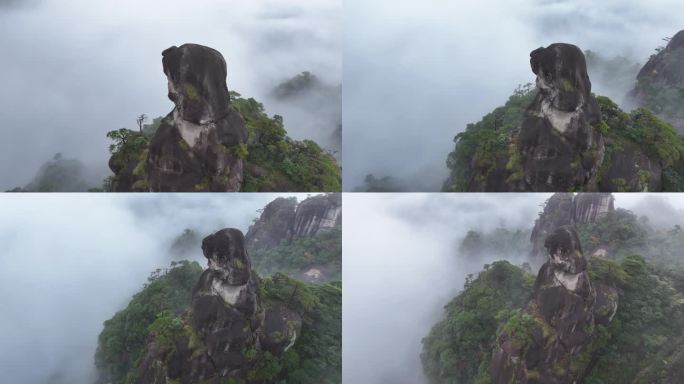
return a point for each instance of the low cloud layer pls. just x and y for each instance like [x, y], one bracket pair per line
[68, 262]
[73, 70]
[402, 265]
[415, 73]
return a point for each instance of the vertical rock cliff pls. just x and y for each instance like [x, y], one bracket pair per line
[660, 83]
[567, 209]
[227, 330]
[554, 339]
[284, 219]
[200, 145]
[558, 146]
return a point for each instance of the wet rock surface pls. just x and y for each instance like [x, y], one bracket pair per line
[284, 219]
[200, 144]
[555, 344]
[227, 329]
[567, 209]
[196, 146]
[559, 147]
[660, 83]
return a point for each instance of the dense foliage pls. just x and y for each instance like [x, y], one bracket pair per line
[486, 143]
[489, 144]
[316, 357]
[121, 343]
[273, 161]
[643, 343]
[458, 348]
[645, 330]
[290, 257]
[277, 162]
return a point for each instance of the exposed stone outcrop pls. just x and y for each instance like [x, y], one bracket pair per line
[284, 219]
[558, 145]
[274, 225]
[228, 328]
[555, 345]
[661, 81]
[567, 209]
[317, 214]
[199, 145]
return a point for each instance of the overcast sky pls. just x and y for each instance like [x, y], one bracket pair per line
[68, 262]
[71, 70]
[401, 266]
[416, 72]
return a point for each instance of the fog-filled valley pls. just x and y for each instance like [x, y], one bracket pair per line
[433, 68]
[70, 262]
[406, 257]
[75, 70]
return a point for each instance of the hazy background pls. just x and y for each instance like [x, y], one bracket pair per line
[402, 265]
[72, 70]
[416, 72]
[68, 262]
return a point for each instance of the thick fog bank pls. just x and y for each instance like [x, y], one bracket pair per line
[416, 72]
[68, 262]
[73, 70]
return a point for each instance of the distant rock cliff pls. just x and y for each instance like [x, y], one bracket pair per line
[563, 209]
[660, 83]
[283, 219]
[553, 340]
[228, 329]
[559, 137]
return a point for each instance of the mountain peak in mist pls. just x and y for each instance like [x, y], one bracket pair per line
[198, 145]
[554, 339]
[229, 332]
[560, 137]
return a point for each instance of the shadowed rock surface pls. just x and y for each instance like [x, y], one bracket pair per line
[567, 209]
[558, 145]
[552, 340]
[283, 219]
[200, 144]
[660, 83]
[227, 329]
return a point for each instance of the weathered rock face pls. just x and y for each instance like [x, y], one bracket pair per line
[317, 214]
[661, 81]
[667, 67]
[274, 225]
[227, 328]
[567, 209]
[197, 146]
[556, 346]
[590, 207]
[559, 147]
[284, 219]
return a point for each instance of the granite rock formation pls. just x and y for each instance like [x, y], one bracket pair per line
[567, 209]
[660, 83]
[284, 219]
[200, 145]
[227, 329]
[558, 145]
[556, 343]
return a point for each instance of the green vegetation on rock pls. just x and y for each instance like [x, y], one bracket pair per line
[290, 257]
[485, 144]
[275, 162]
[459, 347]
[155, 308]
